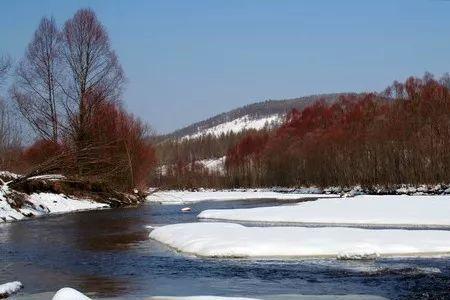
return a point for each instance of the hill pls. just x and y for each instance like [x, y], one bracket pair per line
[252, 116]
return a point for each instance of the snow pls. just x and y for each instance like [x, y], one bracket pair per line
[9, 174]
[9, 288]
[180, 197]
[389, 210]
[49, 177]
[237, 125]
[58, 203]
[214, 165]
[234, 240]
[43, 203]
[68, 293]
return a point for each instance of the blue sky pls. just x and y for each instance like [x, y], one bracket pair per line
[188, 60]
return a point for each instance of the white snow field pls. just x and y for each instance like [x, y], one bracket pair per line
[396, 211]
[68, 293]
[43, 204]
[180, 197]
[238, 125]
[7, 289]
[235, 241]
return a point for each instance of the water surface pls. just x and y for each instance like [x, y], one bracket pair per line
[108, 254]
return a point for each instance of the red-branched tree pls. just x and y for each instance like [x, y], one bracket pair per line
[401, 136]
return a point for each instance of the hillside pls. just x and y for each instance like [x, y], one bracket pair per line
[252, 116]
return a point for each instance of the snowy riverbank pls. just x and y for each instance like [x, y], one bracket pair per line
[180, 197]
[39, 204]
[389, 210]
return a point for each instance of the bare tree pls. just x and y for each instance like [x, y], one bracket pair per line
[5, 64]
[92, 67]
[35, 90]
[10, 138]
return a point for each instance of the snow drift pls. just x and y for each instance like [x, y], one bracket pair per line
[234, 240]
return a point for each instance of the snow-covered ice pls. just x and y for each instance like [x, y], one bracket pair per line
[179, 197]
[234, 240]
[68, 293]
[9, 288]
[388, 210]
[237, 125]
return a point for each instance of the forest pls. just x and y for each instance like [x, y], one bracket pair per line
[399, 136]
[65, 115]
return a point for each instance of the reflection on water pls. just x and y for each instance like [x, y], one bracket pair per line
[107, 253]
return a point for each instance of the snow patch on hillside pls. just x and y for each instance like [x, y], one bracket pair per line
[214, 165]
[388, 210]
[237, 125]
[235, 241]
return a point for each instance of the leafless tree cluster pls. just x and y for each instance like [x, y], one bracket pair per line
[68, 88]
[10, 133]
[5, 64]
[59, 70]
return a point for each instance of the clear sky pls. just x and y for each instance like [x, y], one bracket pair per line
[188, 60]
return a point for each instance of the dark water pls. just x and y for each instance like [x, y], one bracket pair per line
[108, 253]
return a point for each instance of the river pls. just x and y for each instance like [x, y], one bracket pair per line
[107, 254]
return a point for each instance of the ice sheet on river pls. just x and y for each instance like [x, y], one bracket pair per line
[178, 197]
[234, 241]
[390, 210]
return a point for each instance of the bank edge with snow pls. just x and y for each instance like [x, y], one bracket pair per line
[230, 240]
[180, 197]
[40, 204]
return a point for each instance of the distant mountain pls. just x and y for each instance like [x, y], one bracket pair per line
[252, 116]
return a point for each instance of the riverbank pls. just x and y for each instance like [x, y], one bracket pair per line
[281, 193]
[24, 197]
[41, 204]
[199, 195]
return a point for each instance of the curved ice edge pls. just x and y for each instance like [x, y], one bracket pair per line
[339, 256]
[323, 224]
[68, 293]
[230, 240]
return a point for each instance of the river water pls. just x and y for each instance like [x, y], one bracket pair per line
[107, 254]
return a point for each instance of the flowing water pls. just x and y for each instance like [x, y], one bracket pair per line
[107, 254]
